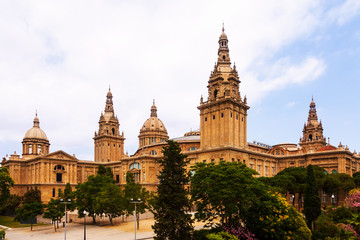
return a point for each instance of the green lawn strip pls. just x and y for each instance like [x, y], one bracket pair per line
[10, 223]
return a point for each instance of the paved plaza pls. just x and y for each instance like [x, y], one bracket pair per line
[75, 231]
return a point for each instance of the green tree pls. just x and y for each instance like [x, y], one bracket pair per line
[171, 203]
[133, 190]
[312, 204]
[54, 211]
[6, 183]
[86, 193]
[110, 201]
[356, 177]
[215, 190]
[31, 196]
[29, 211]
[68, 194]
[229, 192]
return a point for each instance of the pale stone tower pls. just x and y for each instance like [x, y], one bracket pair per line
[313, 138]
[153, 130]
[109, 144]
[223, 117]
[35, 142]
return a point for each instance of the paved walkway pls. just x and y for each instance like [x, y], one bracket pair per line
[74, 231]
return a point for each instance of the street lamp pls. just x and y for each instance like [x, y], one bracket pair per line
[66, 203]
[332, 198]
[135, 202]
[84, 212]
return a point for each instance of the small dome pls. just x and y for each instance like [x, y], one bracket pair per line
[153, 123]
[36, 131]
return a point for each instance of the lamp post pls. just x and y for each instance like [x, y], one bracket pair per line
[66, 203]
[332, 198]
[135, 202]
[84, 212]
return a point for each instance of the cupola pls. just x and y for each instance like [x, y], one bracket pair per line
[153, 130]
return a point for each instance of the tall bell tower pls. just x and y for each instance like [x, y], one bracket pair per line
[109, 144]
[313, 138]
[223, 117]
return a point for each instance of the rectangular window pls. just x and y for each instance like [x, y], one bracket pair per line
[259, 168]
[117, 178]
[59, 177]
[324, 198]
[53, 192]
[266, 169]
[143, 176]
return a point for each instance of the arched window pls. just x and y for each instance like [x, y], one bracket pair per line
[333, 171]
[135, 166]
[215, 93]
[325, 172]
[310, 137]
[59, 167]
[113, 131]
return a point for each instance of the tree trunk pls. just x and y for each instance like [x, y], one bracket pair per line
[110, 218]
[31, 226]
[55, 226]
[138, 221]
[94, 219]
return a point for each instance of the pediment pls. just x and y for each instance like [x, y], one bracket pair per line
[60, 155]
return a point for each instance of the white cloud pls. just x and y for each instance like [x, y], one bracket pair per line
[345, 12]
[60, 56]
[282, 74]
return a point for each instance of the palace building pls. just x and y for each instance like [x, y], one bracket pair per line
[222, 137]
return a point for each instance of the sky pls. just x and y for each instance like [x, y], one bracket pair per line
[60, 57]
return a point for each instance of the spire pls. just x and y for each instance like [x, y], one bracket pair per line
[153, 110]
[36, 121]
[223, 52]
[312, 112]
[109, 102]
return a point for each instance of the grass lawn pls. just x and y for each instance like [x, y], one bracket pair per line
[9, 222]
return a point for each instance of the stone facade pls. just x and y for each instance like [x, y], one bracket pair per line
[222, 137]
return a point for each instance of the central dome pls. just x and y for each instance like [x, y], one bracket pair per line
[153, 130]
[36, 132]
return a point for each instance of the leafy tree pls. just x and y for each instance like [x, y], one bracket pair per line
[29, 211]
[331, 184]
[110, 201]
[347, 182]
[6, 183]
[133, 190]
[54, 211]
[86, 193]
[31, 196]
[105, 171]
[356, 177]
[172, 203]
[68, 194]
[312, 204]
[221, 236]
[225, 191]
[229, 192]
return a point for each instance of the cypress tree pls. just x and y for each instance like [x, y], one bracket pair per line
[312, 204]
[172, 203]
